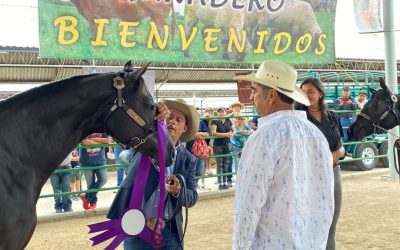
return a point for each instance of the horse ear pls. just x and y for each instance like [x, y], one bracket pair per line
[373, 91]
[139, 72]
[128, 66]
[383, 84]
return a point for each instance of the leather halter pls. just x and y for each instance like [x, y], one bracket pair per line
[119, 103]
[390, 109]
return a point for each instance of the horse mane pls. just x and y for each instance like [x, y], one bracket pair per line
[43, 90]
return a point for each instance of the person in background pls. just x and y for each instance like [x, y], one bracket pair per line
[201, 134]
[182, 125]
[121, 171]
[242, 131]
[329, 124]
[210, 142]
[75, 175]
[236, 107]
[222, 127]
[209, 111]
[346, 102]
[284, 186]
[60, 183]
[96, 178]
[254, 123]
[362, 99]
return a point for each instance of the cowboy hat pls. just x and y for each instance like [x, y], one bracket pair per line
[191, 117]
[244, 118]
[279, 76]
[236, 103]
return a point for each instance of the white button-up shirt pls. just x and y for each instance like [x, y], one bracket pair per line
[284, 189]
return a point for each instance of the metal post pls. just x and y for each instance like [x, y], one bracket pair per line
[93, 68]
[390, 69]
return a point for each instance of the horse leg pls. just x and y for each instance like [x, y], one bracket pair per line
[191, 21]
[238, 22]
[224, 43]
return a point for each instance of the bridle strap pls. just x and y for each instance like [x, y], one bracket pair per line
[391, 108]
[119, 103]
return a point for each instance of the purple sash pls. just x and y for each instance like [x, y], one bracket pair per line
[114, 228]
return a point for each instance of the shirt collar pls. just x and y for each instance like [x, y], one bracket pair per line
[301, 114]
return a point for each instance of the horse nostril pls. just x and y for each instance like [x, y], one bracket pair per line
[151, 130]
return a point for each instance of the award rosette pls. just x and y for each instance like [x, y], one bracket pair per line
[132, 222]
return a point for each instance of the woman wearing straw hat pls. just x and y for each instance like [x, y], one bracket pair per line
[284, 187]
[236, 107]
[242, 132]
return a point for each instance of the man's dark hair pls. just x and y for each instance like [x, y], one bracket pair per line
[283, 97]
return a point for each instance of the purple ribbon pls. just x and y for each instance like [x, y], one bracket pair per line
[113, 228]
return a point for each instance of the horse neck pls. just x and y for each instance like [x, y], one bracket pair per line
[48, 122]
[398, 102]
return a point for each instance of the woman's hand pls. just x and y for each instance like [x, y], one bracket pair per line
[201, 135]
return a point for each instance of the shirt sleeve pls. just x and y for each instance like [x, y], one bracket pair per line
[336, 104]
[203, 127]
[251, 193]
[354, 104]
[339, 125]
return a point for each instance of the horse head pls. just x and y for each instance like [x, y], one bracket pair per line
[130, 119]
[379, 113]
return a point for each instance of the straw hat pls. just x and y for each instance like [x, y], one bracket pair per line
[246, 119]
[235, 104]
[279, 76]
[191, 116]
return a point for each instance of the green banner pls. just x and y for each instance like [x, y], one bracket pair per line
[191, 31]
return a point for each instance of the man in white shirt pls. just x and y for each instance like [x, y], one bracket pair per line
[284, 189]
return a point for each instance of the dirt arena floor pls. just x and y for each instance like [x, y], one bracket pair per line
[370, 219]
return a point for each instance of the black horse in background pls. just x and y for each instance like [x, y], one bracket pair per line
[40, 127]
[380, 113]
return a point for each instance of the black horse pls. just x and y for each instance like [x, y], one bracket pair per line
[41, 126]
[380, 113]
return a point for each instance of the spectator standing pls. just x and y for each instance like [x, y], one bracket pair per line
[75, 175]
[209, 111]
[254, 123]
[242, 131]
[346, 102]
[329, 124]
[93, 157]
[201, 134]
[120, 170]
[209, 142]
[362, 99]
[235, 107]
[284, 187]
[222, 127]
[60, 182]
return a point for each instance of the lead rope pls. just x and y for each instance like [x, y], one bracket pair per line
[396, 149]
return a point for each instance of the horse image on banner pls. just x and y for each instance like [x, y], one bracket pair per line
[41, 126]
